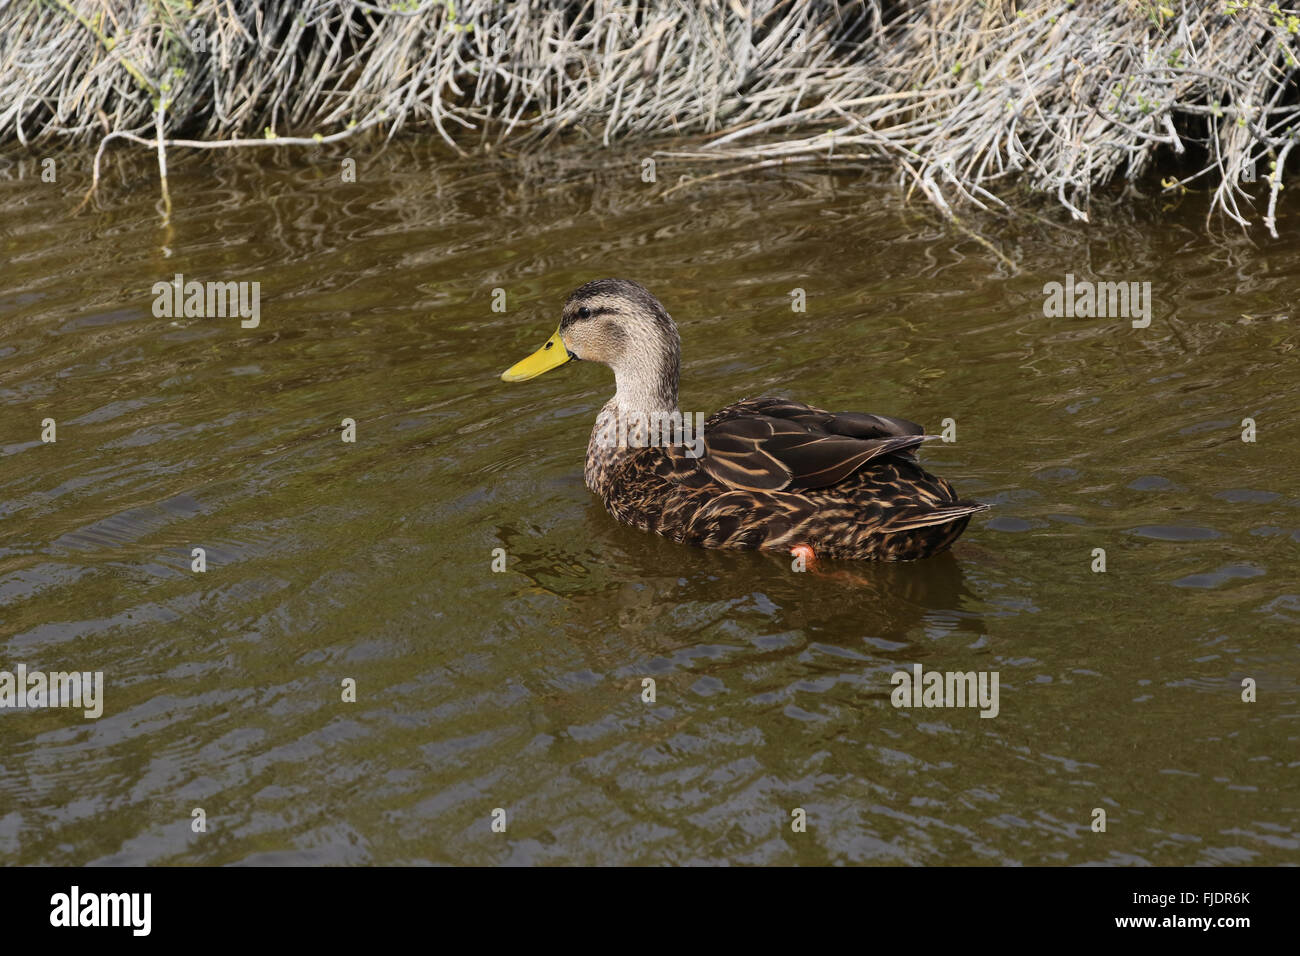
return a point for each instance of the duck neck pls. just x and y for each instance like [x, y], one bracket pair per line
[639, 415]
[646, 389]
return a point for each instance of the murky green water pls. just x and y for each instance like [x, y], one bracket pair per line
[522, 690]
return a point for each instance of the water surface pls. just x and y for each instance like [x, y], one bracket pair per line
[522, 689]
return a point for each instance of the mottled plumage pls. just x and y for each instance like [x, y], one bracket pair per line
[774, 474]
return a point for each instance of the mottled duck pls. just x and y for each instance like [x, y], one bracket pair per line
[769, 473]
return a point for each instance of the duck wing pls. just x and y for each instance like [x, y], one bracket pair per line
[781, 445]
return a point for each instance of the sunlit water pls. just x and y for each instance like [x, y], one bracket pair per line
[522, 690]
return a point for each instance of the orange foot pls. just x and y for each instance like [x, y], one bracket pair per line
[804, 551]
[811, 565]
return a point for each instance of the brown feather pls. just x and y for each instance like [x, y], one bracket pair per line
[777, 473]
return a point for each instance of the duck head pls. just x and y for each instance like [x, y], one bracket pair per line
[618, 323]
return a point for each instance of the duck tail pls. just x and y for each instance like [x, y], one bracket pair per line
[907, 445]
[912, 519]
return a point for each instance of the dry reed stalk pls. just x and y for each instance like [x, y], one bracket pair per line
[964, 96]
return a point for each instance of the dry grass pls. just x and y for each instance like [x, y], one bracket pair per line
[965, 96]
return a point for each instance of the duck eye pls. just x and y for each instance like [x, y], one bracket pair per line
[584, 313]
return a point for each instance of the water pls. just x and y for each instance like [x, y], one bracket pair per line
[522, 690]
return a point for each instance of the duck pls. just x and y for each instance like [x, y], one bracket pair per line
[768, 473]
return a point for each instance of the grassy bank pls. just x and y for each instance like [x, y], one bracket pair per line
[966, 97]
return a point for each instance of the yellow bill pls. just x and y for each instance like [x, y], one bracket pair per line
[551, 355]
